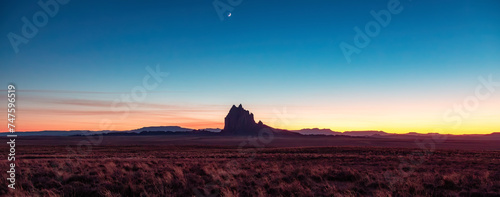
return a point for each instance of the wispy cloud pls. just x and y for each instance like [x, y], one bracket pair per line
[83, 92]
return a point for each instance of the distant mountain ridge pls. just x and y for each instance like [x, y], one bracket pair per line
[316, 131]
[163, 128]
[87, 132]
[241, 122]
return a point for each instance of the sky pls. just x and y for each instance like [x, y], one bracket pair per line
[117, 65]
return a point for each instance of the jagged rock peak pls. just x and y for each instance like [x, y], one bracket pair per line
[240, 121]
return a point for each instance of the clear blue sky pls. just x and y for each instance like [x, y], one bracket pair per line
[267, 54]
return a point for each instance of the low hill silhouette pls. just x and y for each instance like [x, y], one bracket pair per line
[240, 122]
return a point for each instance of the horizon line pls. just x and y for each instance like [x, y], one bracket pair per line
[291, 130]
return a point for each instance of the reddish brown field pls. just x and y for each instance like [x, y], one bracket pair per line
[182, 170]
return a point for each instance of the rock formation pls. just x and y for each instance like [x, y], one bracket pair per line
[241, 122]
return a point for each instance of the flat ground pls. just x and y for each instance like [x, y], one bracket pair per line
[241, 166]
[461, 143]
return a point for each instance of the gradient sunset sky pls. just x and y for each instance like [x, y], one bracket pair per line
[280, 59]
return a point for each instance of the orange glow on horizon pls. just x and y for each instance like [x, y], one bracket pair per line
[388, 116]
